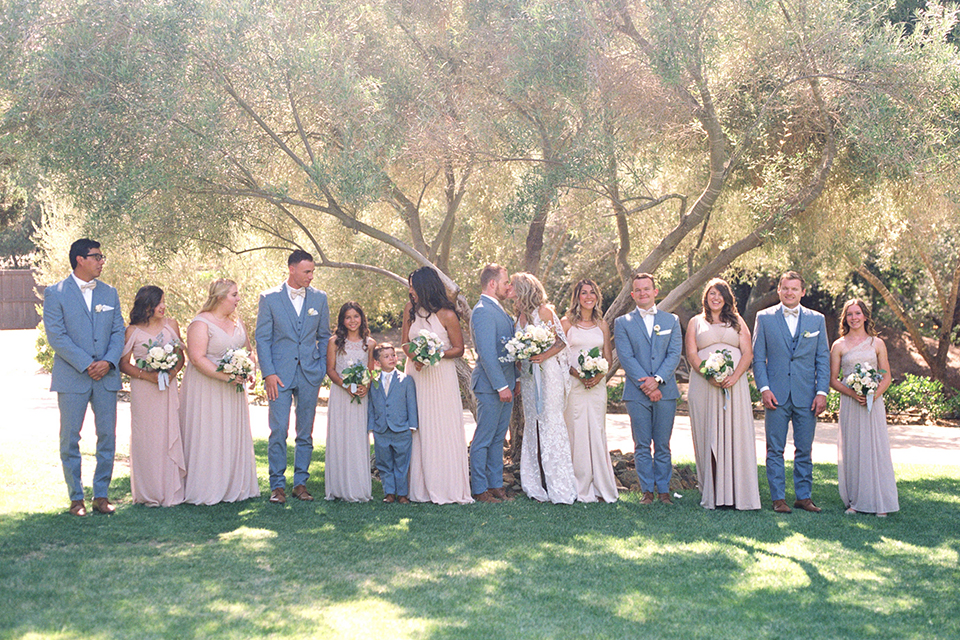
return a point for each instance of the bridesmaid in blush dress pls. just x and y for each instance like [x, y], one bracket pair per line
[346, 472]
[157, 468]
[864, 465]
[721, 415]
[439, 471]
[586, 409]
[214, 415]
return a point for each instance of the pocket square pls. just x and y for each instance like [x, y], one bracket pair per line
[808, 334]
[664, 332]
[103, 307]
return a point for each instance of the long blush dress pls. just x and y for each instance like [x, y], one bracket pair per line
[346, 473]
[864, 465]
[586, 417]
[157, 467]
[215, 423]
[546, 466]
[439, 471]
[724, 441]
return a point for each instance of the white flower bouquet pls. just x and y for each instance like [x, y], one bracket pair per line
[161, 358]
[592, 364]
[718, 366]
[426, 348]
[238, 365]
[356, 375]
[530, 341]
[864, 380]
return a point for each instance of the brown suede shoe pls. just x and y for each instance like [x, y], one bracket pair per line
[647, 497]
[807, 505]
[780, 506]
[664, 498]
[103, 506]
[500, 494]
[403, 500]
[301, 492]
[389, 498]
[78, 508]
[278, 496]
[486, 496]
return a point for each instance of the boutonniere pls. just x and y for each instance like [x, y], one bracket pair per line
[311, 311]
[659, 332]
[808, 334]
[102, 307]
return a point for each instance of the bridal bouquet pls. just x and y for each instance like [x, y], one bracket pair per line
[426, 348]
[238, 365]
[864, 380]
[592, 364]
[160, 358]
[356, 375]
[530, 341]
[718, 366]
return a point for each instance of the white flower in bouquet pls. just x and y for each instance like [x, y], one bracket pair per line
[160, 358]
[238, 365]
[426, 348]
[864, 380]
[592, 364]
[355, 375]
[718, 365]
[530, 341]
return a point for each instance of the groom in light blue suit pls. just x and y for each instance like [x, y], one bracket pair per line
[791, 365]
[293, 327]
[493, 382]
[648, 345]
[84, 327]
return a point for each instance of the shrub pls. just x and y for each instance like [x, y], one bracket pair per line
[926, 394]
[833, 402]
[615, 392]
[44, 354]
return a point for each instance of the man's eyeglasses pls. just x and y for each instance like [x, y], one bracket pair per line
[99, 257]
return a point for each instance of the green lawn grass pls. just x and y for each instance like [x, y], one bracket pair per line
[516, 570]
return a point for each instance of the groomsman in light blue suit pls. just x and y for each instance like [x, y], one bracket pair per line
[392, 417]
[493, 382]
[649, 343]
[791, 365]
[293, 327]
[84, 327]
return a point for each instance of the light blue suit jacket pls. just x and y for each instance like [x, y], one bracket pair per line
[491, 326]
[285, 339]
[396, 411]
[80, 337]
[795, 369]
[645, 356]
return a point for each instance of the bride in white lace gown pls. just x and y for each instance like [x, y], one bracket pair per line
[546, 466]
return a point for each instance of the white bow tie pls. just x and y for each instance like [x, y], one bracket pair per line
[795, 312]
[652, 311]
[89, 286]
[297, 293]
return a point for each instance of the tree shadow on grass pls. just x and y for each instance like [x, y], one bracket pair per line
[521, 569]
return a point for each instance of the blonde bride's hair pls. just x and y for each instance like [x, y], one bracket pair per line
[219, 289]
[530, 293]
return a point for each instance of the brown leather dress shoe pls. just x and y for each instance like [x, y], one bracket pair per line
[403, 500]
[78, 508]
[500, 494]
[486, 496]
[780, 506]
[664, 498]
[807, 505]
[278, 496]
[389, 498]
[647, 497]
[301, 493]
[103, 506]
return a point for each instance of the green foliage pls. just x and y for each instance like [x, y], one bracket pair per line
[615, 392]
[44, 354]
[833, 402]
[931, 396]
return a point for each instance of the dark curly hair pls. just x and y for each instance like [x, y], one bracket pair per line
[431, 294]
[728, 314]
[144, 303]
[341, 332]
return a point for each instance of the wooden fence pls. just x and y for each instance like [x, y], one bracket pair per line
[17, 299]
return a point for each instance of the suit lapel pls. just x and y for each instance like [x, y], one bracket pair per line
[781, 323]
[78, 297]
[643, 327]
[287, 305]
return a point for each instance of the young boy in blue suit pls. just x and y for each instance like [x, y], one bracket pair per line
[392, 416]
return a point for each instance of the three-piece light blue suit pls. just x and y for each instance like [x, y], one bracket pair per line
[795, 368]
[294, 347]
[490, 327]
[79, 337]
[643, 356]
[390, 416]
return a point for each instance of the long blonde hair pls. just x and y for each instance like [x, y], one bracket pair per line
[219, 289]
[530, 293]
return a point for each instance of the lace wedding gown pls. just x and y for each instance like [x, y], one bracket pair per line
[546, 466]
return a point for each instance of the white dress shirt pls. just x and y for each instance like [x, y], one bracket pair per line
[386, 379]
[297, 296]
[648, 318]
[86, 290]
[792, 316]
